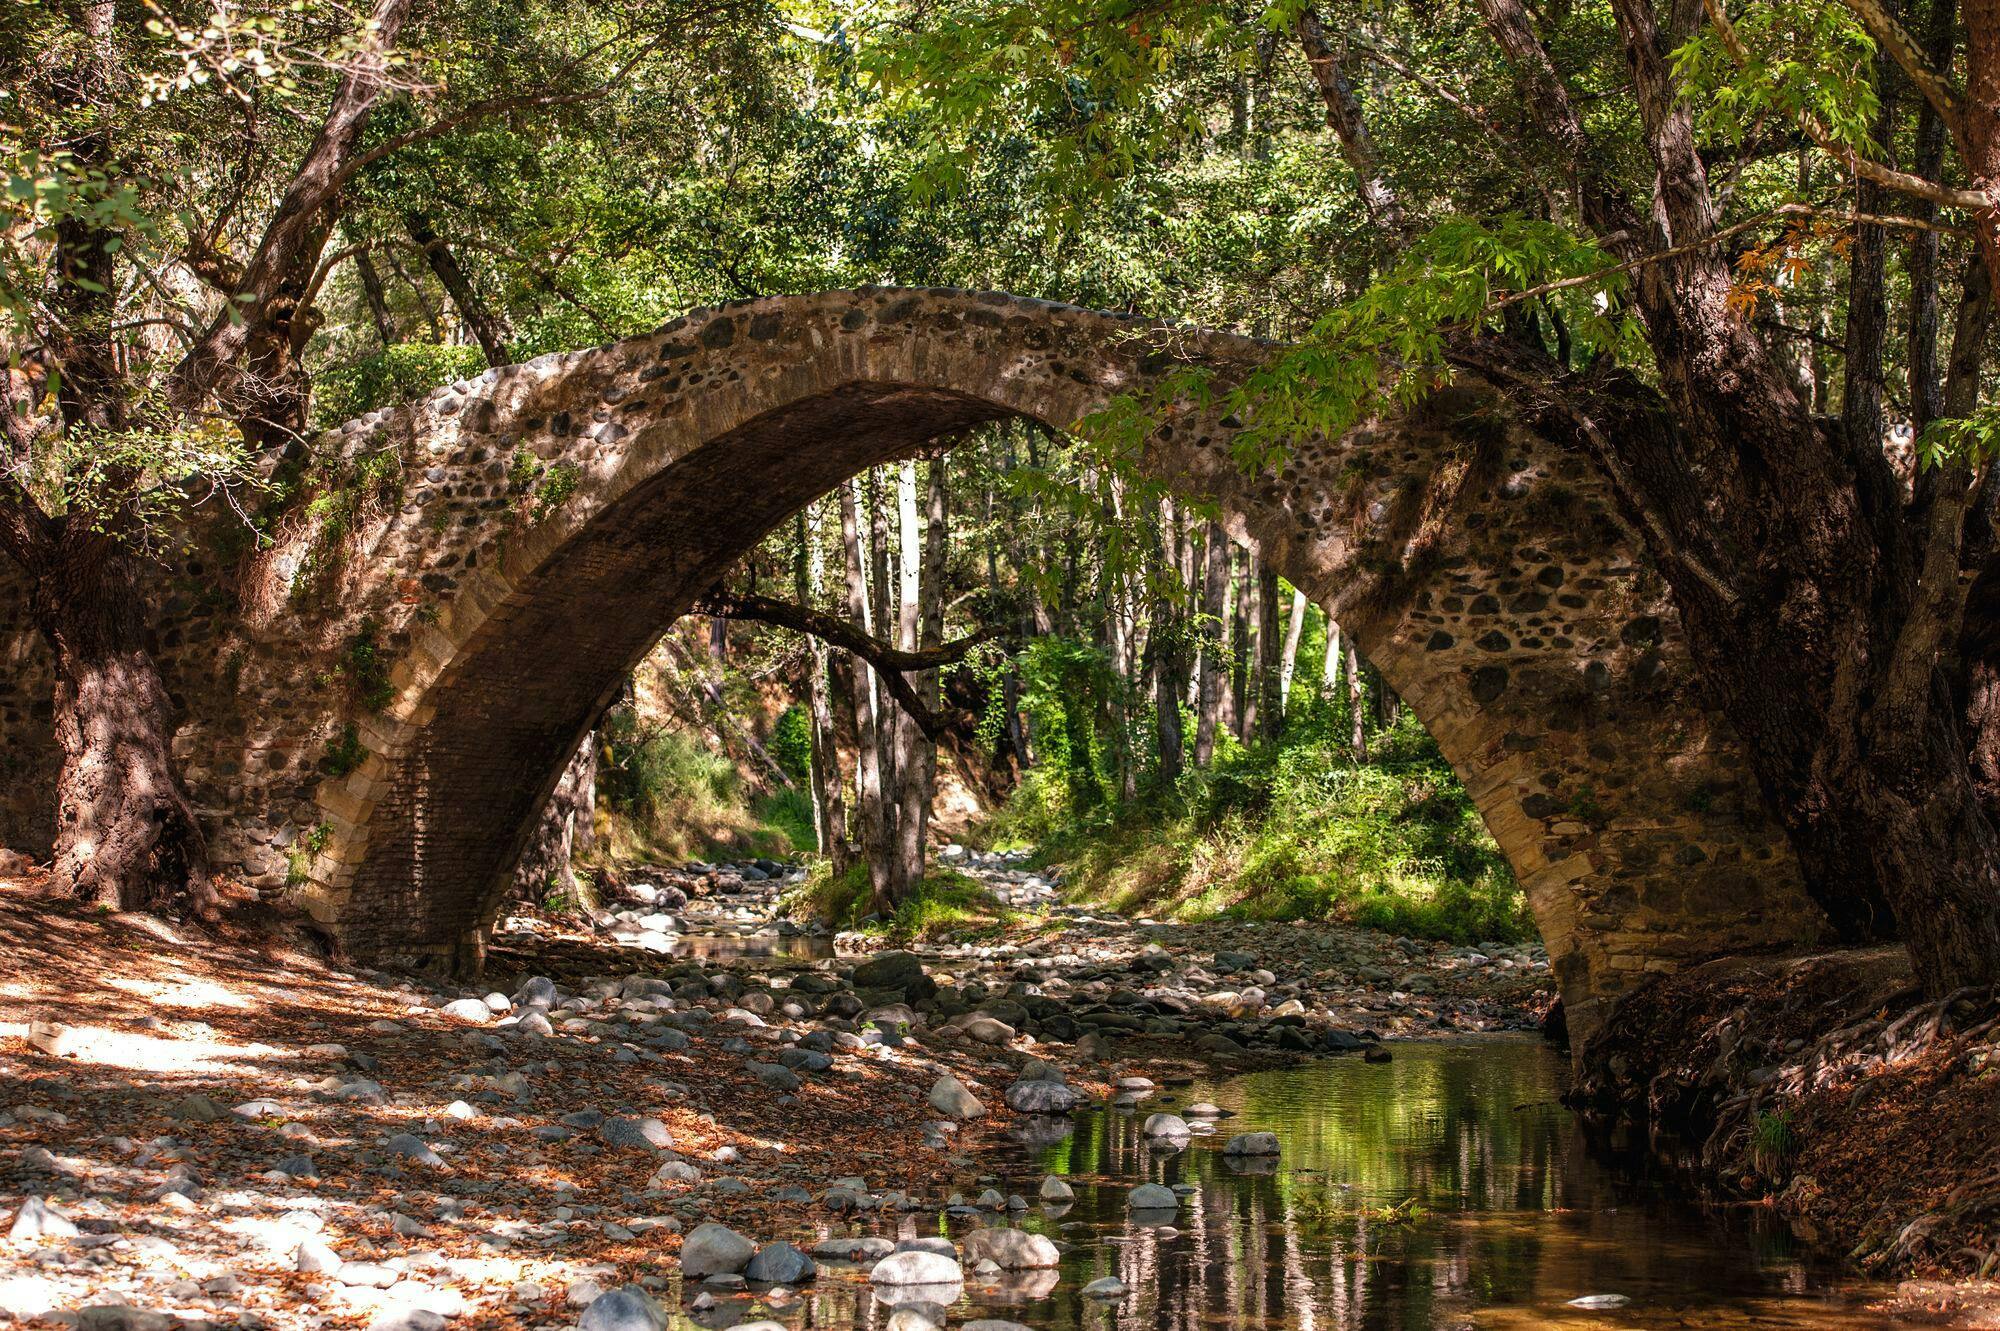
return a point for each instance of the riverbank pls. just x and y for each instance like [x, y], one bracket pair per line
[259, 1136]
[1827, 1088]
[262, 1136]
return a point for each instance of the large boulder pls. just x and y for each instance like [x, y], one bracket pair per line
[1041, 1097]
[627, 1308]
[1252, 1143]
[917, 1268]
[780, 1264]
[1153, 1197]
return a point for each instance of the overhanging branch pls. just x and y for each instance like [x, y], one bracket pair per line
[889, 662]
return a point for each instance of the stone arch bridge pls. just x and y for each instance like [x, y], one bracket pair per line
[377, 706]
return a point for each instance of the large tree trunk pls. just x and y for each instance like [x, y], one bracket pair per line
[1267, 689]
[828, 797]
[126, 836]
[919, 622]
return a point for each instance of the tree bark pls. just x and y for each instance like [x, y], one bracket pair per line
[870, 791]
[1270, 704]
[487, 325]
[828, 796]
[1288, 662]
[1357, 708]
[126, 836]
[1214, 657]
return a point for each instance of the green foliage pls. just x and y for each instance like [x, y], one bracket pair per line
[1800, 60]
[791, 743]
[393, 375]
[298, 861]
[1386, 347]
[366, 666]
[945, 904]
[1772, 1141]
[344, 752]
[789, 812]
[1296, 830]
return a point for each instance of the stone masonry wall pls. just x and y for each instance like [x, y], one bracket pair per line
[387, 699]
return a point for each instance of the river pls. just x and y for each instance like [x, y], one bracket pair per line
[1447, 1188]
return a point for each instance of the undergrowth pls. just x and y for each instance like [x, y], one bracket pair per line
[945, 903]
[1285, 831]
[677, 799]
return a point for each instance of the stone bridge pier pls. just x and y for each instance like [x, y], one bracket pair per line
[376, 707]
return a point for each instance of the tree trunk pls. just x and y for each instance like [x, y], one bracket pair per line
[829, 800]
[1357, 707]
[1268, 690]
[1288, 663]
[870, 792]
[487, 325]
[919, 617]
[126, 836]
[1243, 645]
[1329, 669]
[1214, 657]
[375, 298]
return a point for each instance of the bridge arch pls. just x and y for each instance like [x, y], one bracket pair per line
[541, 525]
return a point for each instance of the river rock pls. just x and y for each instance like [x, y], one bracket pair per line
[1041, 1097]
[950, 1097]
[627, 1308]
[780, 1264]
[1167, 1125]
[36, 1219]
[714, 1249]
[1055, 1190]
[1252, 1143]
[1105, 1287]
[1152, 1197]
[917, 1268]
[1010, 1249]
[901, 971]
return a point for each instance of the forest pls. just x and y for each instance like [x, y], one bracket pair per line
[589, 588]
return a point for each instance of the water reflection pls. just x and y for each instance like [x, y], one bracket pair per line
[734, 947]
[1446, 1189]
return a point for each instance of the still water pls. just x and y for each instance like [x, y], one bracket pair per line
[1516, 1216]
[1513, 1217]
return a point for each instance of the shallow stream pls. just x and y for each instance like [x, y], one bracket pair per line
[1445, 1189]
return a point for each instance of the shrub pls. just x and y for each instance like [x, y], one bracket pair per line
[384, 378]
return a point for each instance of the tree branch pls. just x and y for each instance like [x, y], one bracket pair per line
[1902, 47]
[889, 662]
[1948, 196]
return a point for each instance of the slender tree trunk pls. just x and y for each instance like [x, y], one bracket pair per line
[1214, 659]
[879, 601]
[919, 624]
[1288, 663]
[1244, 649]
[1329, 670]
[1267, 689]
[1357, 707]
[829, 800]
[375, 298]
[870, 792]
[487, 325]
